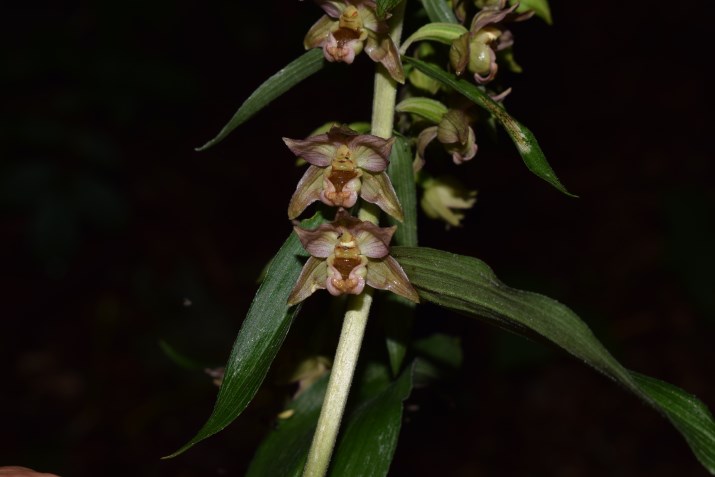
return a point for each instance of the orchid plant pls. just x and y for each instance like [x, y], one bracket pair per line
[448, 76]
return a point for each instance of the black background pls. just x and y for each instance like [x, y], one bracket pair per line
[110, 220]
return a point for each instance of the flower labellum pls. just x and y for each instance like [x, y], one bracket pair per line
[343, 165]
[346, 255]
[350, 26]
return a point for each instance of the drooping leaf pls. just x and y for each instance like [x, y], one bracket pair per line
[540, 7]
[259, 338]
[398, 313]
[439, 11]
[522, 137]
[305, 65]
[386, 6]
[469, 286]
[369, 433]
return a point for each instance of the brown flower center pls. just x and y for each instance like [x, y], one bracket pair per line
[341, 178]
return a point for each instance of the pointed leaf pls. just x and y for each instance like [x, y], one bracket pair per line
[298, 70]
[469, 286]
[439, 11]
[259, 338]
[524, 139]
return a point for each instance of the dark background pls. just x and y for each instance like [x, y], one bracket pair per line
[110, 220]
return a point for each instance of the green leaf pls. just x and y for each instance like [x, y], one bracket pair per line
[386, 6]
[469, 286]
[439, 11]
[397, 312]
[369, 438]
[369, 434]
[441, 32]
[540, 7]
[689, 415]
[427, 108]
[284, 451]
[524, 139]
[261, 336]
[403, 179]
[298, 70]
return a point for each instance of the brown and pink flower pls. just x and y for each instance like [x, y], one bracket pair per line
[477, 49]
[346, 255]
[343, 165]
[350, 26]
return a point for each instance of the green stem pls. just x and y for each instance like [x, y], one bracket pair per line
[346, 356]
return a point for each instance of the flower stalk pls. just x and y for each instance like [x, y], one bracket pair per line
[356, 317]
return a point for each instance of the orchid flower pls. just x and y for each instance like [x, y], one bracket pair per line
[346, 255]
[350, 26]
[344, 164]
[476, 50]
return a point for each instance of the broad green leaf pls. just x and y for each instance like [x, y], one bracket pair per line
[427, 108]
[441, 32]
[540, 7]
[386, 6]
[524, 139]
[369, 434]
[469, 286]
[298, 70]
[439, 11]
[259, 338]
[397, 312]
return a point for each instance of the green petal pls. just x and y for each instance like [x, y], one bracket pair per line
[307, 192]
[312, 278]
[387, 274]
[377, 189]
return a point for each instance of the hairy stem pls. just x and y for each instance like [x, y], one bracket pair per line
[346, 356]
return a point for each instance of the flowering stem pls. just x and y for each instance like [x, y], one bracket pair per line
[355, 321]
